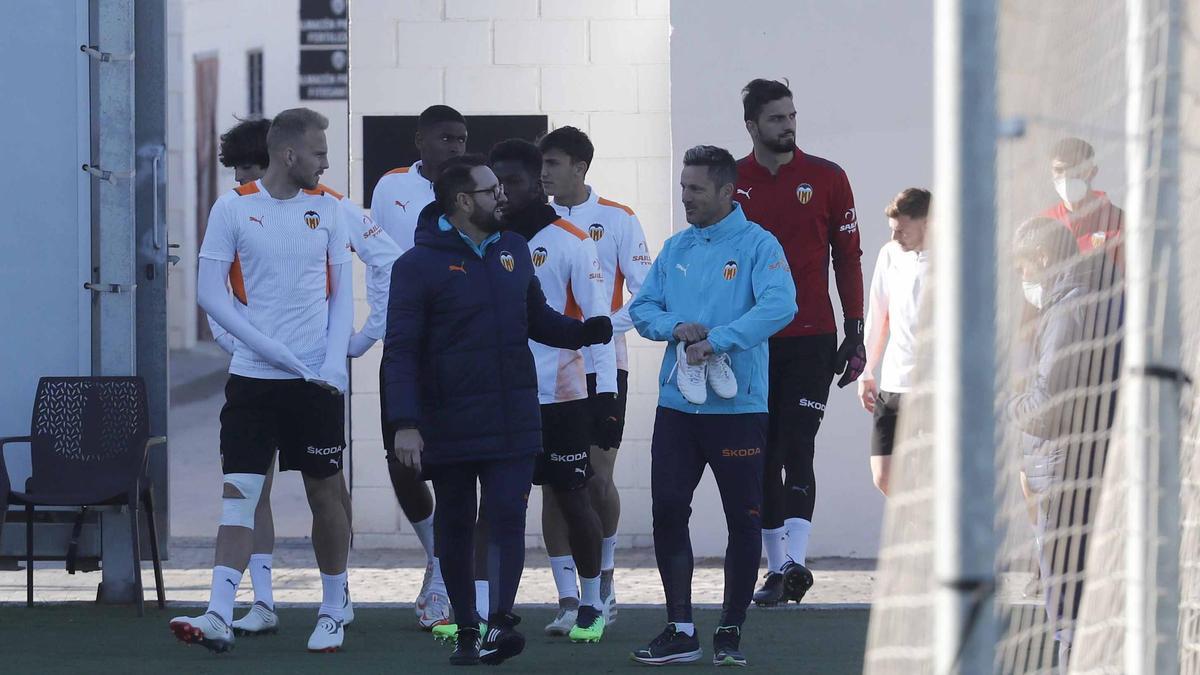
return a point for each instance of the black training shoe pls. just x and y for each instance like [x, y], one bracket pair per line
[726, 647]
[502, 641]
[796, 581]
[670, 646]
[771, 592]
[466, 649]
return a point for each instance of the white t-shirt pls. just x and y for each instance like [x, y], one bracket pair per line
[373, 246]
[624, 260]
[283, 250]
[895, 301]
[566, 264]
[397, 201]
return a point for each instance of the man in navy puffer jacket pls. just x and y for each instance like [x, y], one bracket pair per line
[460, 388]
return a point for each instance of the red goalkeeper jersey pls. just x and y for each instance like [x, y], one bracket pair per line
[809, 207]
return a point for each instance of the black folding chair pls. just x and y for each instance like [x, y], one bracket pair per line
[89, 446]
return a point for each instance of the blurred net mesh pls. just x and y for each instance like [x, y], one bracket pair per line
[1060, 524]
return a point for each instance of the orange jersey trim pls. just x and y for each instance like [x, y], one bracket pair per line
[571, 308]
[238, 284]
[247, 189]
[608, 202]
[618, 298]
[324, 189]
[403, 169]
[570, 227]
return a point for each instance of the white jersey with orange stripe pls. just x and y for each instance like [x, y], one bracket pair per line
[624, 259]
[398, 199]
[374, 248]
[566, 264]
[282, 249]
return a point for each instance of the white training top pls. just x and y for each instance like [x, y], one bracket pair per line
[397, 201]
[566, 264]
[624, 260]
[282, 250]
[892, 315]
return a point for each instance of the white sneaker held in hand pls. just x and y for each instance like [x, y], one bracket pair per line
[721, 377]
[690, 379]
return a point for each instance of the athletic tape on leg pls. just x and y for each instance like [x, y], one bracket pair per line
[240, 512]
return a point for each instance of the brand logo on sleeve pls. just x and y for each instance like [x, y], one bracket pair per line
[745, 192]
[403, 205]
[731, 268]
[312, 219]
[804, 192]
[539, 256]
[596, 231]
[507, 261]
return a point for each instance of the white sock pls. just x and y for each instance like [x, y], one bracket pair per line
[260, 578]
[482, 599]
[590, 592]
[563, 568]
[773, 544]
[225, 582]
[334, 596]
[797, 539]
[685, 628]
[608, 553]
[436, 583]
[424, 532]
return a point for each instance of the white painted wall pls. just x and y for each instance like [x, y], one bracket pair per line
[861, 72]
[600, 65]
[228, 29]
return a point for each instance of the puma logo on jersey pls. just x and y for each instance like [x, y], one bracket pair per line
[745, 192]
[681, 268]
[256, 220]
[403, 205]
[461, 267]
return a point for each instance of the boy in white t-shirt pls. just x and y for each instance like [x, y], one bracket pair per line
[891, 325]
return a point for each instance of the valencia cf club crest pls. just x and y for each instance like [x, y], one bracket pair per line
[507, 260]
[539, 256]
[596, 231]
[312, 219]
[730, 270]
[804, 192]
[1098, 239]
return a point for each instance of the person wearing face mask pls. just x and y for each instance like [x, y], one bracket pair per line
[1064, 409]
[461, 389]
[1092, 218]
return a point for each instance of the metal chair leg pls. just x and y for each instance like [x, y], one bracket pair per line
[29, 555]
[135, 536]
[158, 575]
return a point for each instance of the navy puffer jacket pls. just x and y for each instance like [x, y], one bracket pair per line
[456, 360]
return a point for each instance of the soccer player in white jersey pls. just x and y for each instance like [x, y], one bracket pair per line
[624, 259]
[244, 149]
[566, 264]
[891, 325]
[396, 202]
[288, 373]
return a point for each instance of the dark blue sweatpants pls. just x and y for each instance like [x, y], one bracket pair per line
[504, 487]
[733, 446]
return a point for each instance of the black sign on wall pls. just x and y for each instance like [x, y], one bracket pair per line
[388, 140]
[324, 50]
[324, 74]
[323, 23]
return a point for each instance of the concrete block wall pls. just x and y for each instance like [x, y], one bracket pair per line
[600, 65]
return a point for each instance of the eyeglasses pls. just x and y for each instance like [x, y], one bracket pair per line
[496, 190]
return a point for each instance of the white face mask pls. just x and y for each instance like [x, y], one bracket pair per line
[1033, 293]
[1071, 190]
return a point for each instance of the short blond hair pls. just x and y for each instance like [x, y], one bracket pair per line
[292, 124]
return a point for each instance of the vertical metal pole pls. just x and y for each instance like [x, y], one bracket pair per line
[116, 311]
[965, 263]
[1150, 388]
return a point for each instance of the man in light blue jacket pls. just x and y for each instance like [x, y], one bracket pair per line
[715, 294]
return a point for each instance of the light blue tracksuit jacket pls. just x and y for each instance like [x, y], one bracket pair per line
[732, 277]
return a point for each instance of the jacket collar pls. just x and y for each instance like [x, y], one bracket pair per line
[726, 228]
[531, 220]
